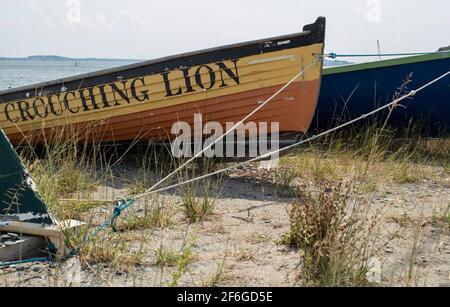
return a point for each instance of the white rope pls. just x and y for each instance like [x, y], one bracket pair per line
[393, 103]
[230, 130]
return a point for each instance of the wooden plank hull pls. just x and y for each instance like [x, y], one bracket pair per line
[350, 91]
[144, 100]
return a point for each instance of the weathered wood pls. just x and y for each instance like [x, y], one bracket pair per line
[39, 230]
[55, 234]
[29, 229]
[4, 218]
[27, 247]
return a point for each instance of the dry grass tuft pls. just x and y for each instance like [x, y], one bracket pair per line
[198, 199]
[333, 232]
[114, 252]
[156, 214]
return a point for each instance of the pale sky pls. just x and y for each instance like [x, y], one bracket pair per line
[148, 29]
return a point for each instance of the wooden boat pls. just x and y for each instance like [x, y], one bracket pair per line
[29, 227]
[144, 100]
[352, 90]
[19, 200]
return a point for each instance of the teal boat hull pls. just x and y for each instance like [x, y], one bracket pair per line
[19, 199]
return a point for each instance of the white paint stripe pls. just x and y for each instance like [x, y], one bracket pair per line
[278, 58]
[284, 43]
[23, 217]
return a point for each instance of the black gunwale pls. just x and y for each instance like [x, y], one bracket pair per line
[312, 34]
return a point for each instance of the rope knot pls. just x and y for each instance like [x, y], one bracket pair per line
[120, 206]
[118, 210]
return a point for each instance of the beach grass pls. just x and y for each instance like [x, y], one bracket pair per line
[333, 219]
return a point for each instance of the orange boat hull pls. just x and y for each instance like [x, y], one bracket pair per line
[143, 101]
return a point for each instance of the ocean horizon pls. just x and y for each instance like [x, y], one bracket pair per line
[16, 72]
[22, 71]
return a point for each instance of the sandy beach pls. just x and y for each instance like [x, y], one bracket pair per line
[238, 240]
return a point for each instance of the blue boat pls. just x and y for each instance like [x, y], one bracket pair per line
[353, 90]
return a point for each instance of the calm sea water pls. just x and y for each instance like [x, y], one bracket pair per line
[15, 73]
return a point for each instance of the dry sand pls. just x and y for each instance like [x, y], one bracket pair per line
[238, 245]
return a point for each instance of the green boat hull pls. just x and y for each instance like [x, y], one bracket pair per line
[19, 199]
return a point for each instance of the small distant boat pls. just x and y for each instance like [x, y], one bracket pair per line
[352, 90]
[144, 100]
[19, 199]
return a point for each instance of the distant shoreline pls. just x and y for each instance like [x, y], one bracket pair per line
[63, 59]
[53, 58]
